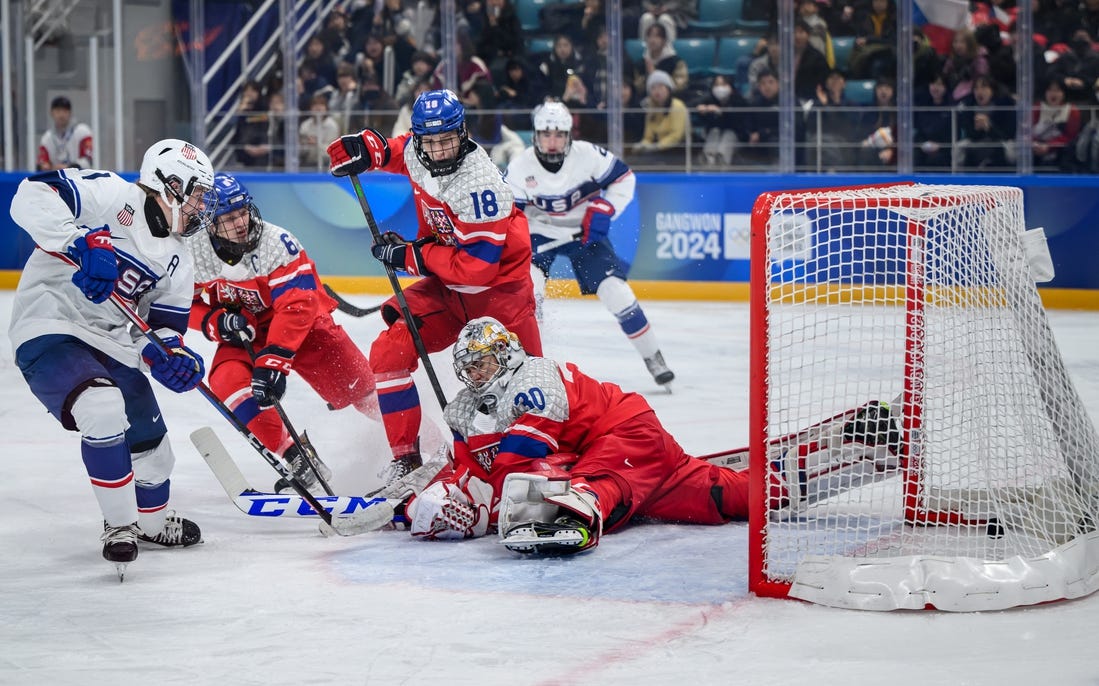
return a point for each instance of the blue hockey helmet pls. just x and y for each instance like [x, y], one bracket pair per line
[438, 112]
[232, 202]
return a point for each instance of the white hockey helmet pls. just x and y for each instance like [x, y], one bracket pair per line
[182, 175]
[486, 338]
[552, 116]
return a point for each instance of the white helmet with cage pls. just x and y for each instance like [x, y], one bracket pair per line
[552, 116]
[482, 339]
[181, 175]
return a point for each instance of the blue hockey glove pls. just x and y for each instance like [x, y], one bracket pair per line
[181, 369]
[98, 268]
[597, 221]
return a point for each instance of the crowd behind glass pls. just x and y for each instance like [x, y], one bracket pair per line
[699, 99]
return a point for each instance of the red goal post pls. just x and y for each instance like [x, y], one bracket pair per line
[917, 300]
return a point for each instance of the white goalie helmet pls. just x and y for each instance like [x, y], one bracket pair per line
[552, 116]
[486, 355]
[181, 175]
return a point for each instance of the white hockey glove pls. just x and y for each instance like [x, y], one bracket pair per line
[449, 511]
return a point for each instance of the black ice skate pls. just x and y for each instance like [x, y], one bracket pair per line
[661, 374]
[120, 546]
[178, 533]
[299, 467]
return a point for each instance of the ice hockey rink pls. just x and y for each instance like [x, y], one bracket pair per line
[271, 601]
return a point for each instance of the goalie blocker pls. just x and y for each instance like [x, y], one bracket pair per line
[542, 516]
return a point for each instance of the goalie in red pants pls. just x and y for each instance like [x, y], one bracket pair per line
[552, 458]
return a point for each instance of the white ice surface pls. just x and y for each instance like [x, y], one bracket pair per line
[273, 602]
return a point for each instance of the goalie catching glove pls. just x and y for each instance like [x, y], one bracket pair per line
[447, 510]
[540, 516]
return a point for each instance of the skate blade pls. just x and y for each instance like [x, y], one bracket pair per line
[120, 568]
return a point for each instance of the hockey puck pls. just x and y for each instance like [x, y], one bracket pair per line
[995, 529]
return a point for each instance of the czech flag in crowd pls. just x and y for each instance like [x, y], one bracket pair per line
[939, 19]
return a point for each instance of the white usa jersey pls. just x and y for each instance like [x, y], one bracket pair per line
[555, 202]
[155, 274]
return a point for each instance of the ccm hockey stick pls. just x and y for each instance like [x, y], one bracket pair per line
[340, 526]
[351, 514]
[347, 308]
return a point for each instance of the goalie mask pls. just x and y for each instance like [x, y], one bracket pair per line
[237, 225]
[181, 175]
[486, 355]
[550, 121]
[439, 131]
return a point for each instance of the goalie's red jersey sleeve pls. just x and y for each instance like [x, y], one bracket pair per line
[481, 236]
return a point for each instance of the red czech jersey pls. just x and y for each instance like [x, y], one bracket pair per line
[277, 283]
[481, 237]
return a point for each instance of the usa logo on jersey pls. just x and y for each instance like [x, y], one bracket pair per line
[125, 216]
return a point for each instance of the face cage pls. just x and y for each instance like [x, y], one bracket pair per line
[552, 159]
[251, 239]
[442, 167]
[468, 357]
[196, 219]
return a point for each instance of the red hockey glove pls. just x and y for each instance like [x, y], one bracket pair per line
[597, 221]
[356, 153]
[229, 326]
[269, 375]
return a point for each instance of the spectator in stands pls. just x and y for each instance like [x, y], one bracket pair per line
[371, 61]
[1056, 124]
[67, 143]
[422, 67]
[763, 121]
[964, 64]
[315, 132]
[819, 38]
[720, 116]
[593, 22]
[811, 67]
[486, 127]
[878, 132]
[403, 123]
[986, 126]
[874, 53]
[276, 130]
[673, 15]
[308, 84]
[633, 114]
[926, 63]
[1000, 57]
[250, 137]
[664, 138]
[317, 56]
[1078, 68]
[336, 35]
[381, 108]
[830, 126]
[932, 119]
[499, 34]
[345, 100]
[1055, 21]
[595, 70]
[394, 23]
[564, 60]
[765, 58]
[471, 68]
[519, 93]
[660, 55]
[1089, 18]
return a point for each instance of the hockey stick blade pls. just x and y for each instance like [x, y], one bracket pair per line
[347, 308]
[351, 515]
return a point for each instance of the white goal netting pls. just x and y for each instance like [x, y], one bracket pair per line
[982, 489]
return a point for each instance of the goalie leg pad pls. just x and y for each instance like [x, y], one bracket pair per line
[522, 499]
[559, 519]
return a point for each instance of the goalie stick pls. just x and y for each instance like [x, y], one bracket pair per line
[349, 309]
[347, 515]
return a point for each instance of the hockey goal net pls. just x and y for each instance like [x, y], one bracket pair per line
[906, 386]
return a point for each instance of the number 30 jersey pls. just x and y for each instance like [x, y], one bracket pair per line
[481, 236]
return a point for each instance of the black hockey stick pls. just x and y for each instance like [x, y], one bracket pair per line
[399, 293]
[347, 308]
[344, 526]
[307, 453]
